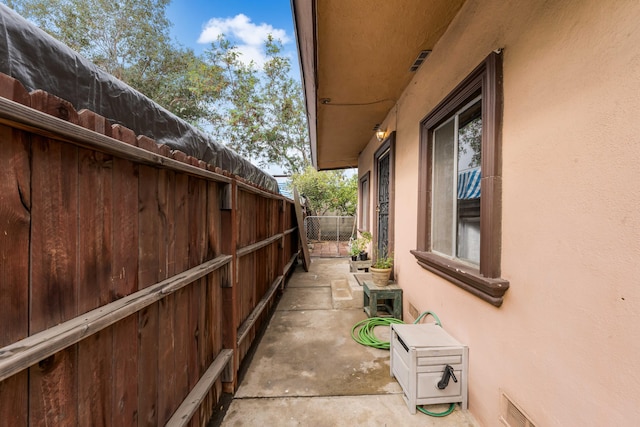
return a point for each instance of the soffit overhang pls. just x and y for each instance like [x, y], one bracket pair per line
[355, 57]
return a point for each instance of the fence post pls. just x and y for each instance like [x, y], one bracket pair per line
[282, 252]
[229, 293]
[338, 235]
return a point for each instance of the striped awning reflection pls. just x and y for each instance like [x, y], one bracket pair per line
[469, 184]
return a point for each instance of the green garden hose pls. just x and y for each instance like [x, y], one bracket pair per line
[362, 333]
[438, 322]
[437, 414]
[365, 335]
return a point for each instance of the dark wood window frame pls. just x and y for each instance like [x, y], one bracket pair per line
[485, 281]
[364, 217]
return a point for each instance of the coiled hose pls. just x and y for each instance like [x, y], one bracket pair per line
[365, 335]
[362, 333]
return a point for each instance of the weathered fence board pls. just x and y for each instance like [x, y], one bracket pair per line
[125, 238]
[94, 395]
[148, 365]
[15, 222]
[53, 233]
[14, 395]
[53, 392]
[166, 307]
[94, 239]
[193, 317]
[94, 284]
[181, 309]
[125, 372]
[166, 358]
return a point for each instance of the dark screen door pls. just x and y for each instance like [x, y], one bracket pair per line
[383, 203]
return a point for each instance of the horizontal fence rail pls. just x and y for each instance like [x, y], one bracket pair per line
[24, 353]
[25, 118]
[189, 407]
[257, 311]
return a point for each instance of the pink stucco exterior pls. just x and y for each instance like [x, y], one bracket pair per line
[565, 344]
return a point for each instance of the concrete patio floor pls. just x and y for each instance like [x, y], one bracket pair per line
[307, 370]
[328, 249]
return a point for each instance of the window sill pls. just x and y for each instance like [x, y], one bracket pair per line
[465, 277]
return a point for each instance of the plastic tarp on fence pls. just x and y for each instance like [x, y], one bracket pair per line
[39, 61]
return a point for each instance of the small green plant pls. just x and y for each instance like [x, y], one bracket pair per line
[363, 241]
[383, 260]
[354, 250]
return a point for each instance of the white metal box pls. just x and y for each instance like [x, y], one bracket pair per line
[419, 355]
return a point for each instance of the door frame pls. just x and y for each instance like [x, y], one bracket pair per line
[390, 145]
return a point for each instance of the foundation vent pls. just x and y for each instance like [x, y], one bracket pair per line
[512, 415]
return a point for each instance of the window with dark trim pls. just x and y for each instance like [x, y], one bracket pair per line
[363, 200]
[459, 223]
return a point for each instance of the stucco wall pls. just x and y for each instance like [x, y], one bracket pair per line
[565, 345]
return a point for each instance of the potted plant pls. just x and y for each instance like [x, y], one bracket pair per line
[381, 269]
[363, 243]
[354, 251]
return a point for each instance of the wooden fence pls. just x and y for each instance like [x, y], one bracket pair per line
[133, 278]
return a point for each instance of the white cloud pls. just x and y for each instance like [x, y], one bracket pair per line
[247, 36]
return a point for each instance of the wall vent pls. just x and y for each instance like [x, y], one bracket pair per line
[512, 415]
[419, 60]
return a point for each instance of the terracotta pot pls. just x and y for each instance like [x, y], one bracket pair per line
[380, 276]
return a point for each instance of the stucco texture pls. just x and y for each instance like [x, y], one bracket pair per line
[564, 345]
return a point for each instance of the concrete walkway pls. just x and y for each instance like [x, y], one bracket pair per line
[307, 371]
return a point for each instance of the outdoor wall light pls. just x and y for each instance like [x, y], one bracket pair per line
[380, 134]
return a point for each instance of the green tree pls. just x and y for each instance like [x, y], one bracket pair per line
[327, 191]
[182, 82]
[286, 135]
[265, 117]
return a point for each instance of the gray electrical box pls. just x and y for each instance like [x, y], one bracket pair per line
[421, 355]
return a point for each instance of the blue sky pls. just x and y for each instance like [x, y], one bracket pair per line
[245, 22]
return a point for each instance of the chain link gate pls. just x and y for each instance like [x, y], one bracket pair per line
[329, 229]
